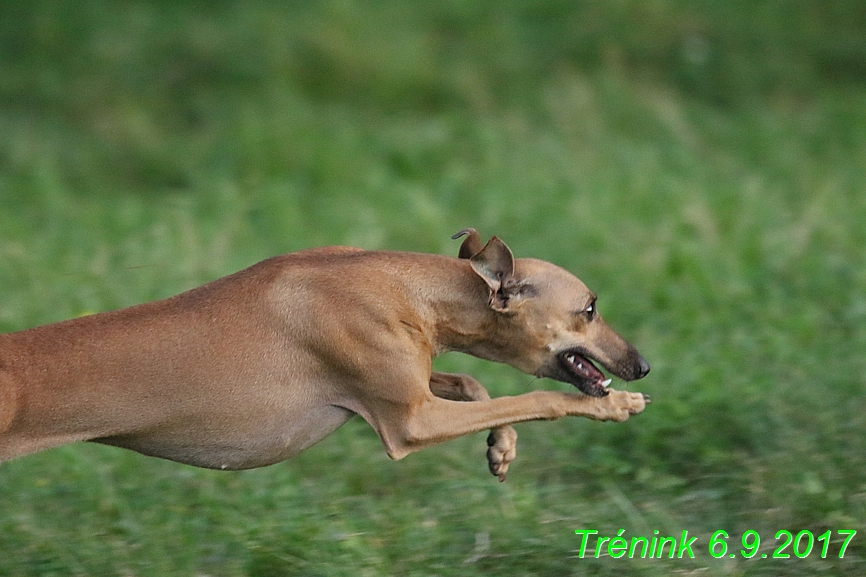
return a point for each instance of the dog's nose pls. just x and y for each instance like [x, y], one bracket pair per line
[642, 367]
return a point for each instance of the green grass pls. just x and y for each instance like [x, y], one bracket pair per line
[699, 165]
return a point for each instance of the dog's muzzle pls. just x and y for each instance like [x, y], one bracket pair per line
[576, 368]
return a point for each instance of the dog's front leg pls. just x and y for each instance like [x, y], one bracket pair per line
[430, 420]
[502, 441]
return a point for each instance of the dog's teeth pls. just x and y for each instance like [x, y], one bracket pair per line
[606, 383]
[570, 358]
[580, 366]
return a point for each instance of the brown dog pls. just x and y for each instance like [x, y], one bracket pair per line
[255, 367]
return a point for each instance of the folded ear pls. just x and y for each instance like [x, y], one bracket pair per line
[471, 246]
[495, 265]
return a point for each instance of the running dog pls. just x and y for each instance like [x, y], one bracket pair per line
[255, 367]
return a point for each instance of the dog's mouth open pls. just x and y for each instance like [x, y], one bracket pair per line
[583, 374]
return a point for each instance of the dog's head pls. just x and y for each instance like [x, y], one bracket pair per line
[546, 320]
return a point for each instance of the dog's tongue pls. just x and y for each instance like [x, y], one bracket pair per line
[583, 366]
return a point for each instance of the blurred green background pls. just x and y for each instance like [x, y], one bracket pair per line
[698, 164]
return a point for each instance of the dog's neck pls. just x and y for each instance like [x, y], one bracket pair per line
[461, 317]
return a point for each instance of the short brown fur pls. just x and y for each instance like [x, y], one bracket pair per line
[257, 366]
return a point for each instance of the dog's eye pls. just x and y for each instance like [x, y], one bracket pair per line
[590, 310]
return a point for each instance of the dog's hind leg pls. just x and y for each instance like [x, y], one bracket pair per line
[8, 410]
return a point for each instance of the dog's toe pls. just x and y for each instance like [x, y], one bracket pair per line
[502, 450]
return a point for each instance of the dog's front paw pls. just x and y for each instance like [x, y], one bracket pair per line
[501, 450]
[620, 405]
